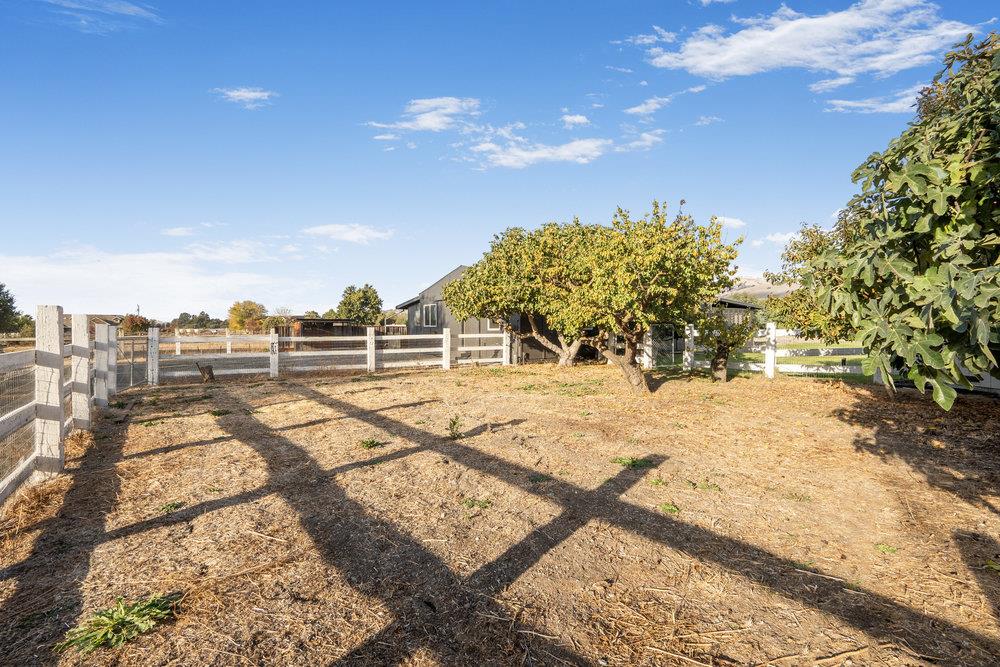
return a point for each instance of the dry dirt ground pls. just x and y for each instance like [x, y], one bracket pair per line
[788, 522]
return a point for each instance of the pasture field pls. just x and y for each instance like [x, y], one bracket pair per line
[518, 515]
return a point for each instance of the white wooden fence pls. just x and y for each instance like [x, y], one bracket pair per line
[173, 357]
[66, 380]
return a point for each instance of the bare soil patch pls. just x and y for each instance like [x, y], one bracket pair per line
[324, 519]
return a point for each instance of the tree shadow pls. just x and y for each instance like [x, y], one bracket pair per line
[48, 598]
[981, 555]
[955, 451]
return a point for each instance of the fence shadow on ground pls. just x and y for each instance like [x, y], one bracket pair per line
[955, 451]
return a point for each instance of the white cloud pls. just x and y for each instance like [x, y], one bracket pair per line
[623, 70]
[706, 3]
[707, 120]
[657, 36]
[239, 251]
[574, 120]
[731, 223]
[879, 37]
[777, 238]
[902, 102]
[644, 142]
[654, 104]
[434, 114]
[102, 16]
[388, 136]
[352, 233]
[518, 154]
[826, 85]
[178, 231]
[247, 97]
[644, 83]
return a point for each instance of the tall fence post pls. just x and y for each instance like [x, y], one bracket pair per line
[81, 372]
[770, 350]
[112, 360]
[274, 350]
[49, 381]
[688, 347]
[229, 342]
[370, 348]
[506, 347]
[647, 350]
[177, 342]
[446, 348]
[102, 337]
[153, 357]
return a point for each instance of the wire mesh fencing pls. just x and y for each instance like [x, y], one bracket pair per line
[180, 358]
[131, 355]
[17, 392]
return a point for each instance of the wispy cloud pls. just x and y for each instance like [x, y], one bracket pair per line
[659, 35]
[707, 120]
[730, 223]
[102, 16]
[878, 37]
[644, 142]
[387, 136]
[654, 104]
[614, 68]
[351, 233]
[178, 231]
[574, 120]
[517, 154]
[777, 238]
[902, 102]
[433, 114]
[247, 97]
[706, 3]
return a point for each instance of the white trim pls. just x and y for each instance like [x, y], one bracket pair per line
[493, 360]
[16, 418]
[481, 335]
[324, 353]
[480, 348]
[423, 315]
[14, 360]
[490, 327]
[409, 350]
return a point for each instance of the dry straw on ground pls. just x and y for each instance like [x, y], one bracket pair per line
[789, 522]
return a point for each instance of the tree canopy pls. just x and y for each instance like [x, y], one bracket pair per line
[360, 304]
[920, 276]
[247, 316]
[8, 310]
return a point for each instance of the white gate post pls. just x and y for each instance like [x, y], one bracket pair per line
[81, 372]
[274, 353]
[647, 350]
[506, 348]
[101, 337]
[688, 347]
[177, 342]
[446, 348]
[229, 342]
[112, 360]
[49, 381]
[770, 350]
[370, 349]
[153, 357]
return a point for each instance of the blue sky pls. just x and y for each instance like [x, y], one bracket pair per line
[182, 155]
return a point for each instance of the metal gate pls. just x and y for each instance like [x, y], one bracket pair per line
[132, 352]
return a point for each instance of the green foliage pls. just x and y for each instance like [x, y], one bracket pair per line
[372, 443]
[121, 623]
[455, 427]
[631, 462]
[474, 503]
[886, 548]
[723, 331]
[247, 316]
[670, 508]
[312, 314]
[134, 325]
[200, 321]
[8, 312]
[920, 280]
[800, 309]
[362, 305]
[25, 325]
[172, 506]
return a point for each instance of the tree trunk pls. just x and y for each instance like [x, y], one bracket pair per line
[628, 366]
[567, 356]
[720, 362]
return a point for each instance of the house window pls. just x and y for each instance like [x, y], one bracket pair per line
[430, 315]
[492, 325]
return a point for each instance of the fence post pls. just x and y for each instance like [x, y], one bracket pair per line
[688, 347]
[112, 360]
[370, 348]
[647, 350]
[770, 350]
[177, 342]
[506, 348]
[101, 338]
[229, 342]
[153, 357]
[446, 348]
[81, 372]
[275, 345]
[49, 381]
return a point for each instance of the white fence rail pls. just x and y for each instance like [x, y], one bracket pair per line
[47, 391]
[180, 356]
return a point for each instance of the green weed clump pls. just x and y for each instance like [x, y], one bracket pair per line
[670, 508]
[455, 427]
[120, 623]
[631, 462]
[372, 443]
[473, 503]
